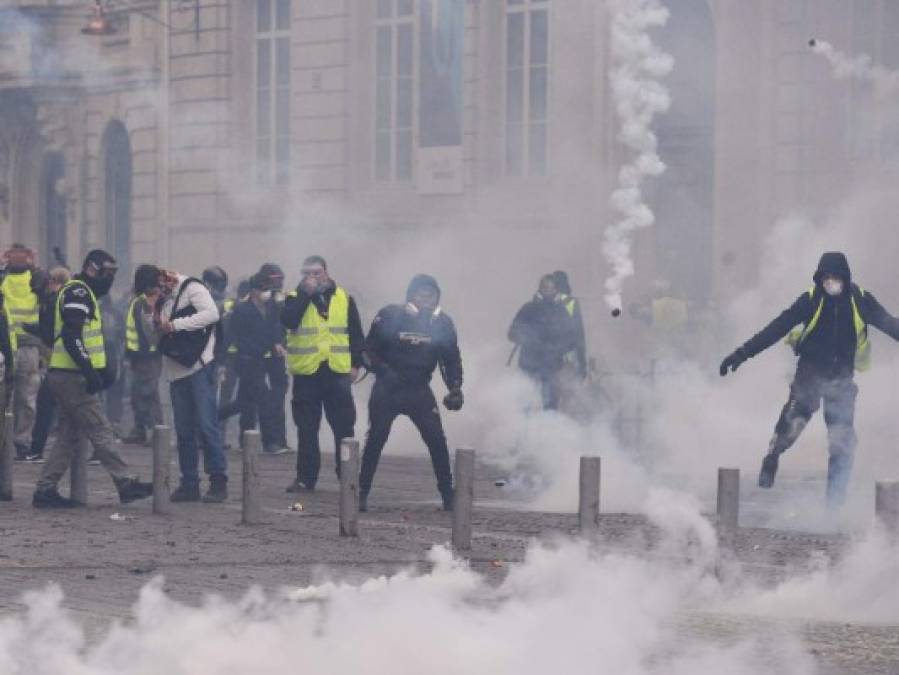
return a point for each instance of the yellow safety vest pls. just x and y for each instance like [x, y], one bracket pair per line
[22, 305]
[862, 344]
[568, 302]
[317, 340]
[92, 335]
[132, 337]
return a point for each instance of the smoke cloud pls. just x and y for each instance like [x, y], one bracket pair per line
[638, 65]
[861, 67]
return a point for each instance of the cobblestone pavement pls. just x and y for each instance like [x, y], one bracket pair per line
[101, 563]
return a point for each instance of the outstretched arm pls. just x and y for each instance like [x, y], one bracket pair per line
[875, 314]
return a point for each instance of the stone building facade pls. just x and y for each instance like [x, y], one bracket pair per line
[232, 131]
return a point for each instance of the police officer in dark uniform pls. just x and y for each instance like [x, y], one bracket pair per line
[828, 330]
[404, 346]
[78, 373]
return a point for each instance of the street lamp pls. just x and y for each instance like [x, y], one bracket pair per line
[101, 24]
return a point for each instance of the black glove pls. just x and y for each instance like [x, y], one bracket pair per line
[733, 361]
[454, 400]
[93, 381]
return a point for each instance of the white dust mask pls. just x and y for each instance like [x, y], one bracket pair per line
[833, 287]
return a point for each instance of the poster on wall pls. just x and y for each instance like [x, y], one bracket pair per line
[442, 30]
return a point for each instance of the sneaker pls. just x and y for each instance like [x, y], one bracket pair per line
[769, 470]
[218, 490]
[274, 449]
[51, 499]
[133, 490]
[186, 492]
[36, 458]
[299, 486]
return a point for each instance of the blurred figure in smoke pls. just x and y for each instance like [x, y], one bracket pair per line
[78, 372]
[255, 329]
[577, 357]
[228, 362]
[831, 343]
[144, 358]
[22, 307]
[114, 333]
[46, 406]
[275, 363]
[404, 346]
[324, 353]
[544, 332]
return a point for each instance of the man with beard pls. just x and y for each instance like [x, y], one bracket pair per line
[77, 375]
[828, 330]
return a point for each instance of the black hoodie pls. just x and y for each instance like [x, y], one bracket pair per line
[830, 348]
[405, 345]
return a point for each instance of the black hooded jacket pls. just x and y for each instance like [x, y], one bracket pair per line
[545, 332]
[405, 345]
[830, 348]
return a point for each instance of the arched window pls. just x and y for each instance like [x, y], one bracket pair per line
[53, 204]
[116, 151]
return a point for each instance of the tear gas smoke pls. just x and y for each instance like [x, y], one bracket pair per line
[861, 67]
[638, 65]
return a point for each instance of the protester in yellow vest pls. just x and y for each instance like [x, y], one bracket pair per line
[831, 343]
[22, 307]
[143, 357]
[77, 375]
[324, 353]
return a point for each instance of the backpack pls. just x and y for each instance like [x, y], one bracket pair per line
[186, 347]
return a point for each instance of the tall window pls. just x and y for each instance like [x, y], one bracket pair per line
[272, 91]
[527, 82]
[394, 89]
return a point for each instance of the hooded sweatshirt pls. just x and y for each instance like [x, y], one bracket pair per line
[405, 345]
[829, 349]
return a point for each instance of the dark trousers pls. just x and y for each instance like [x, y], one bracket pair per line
[145, 402]
[276, 370]
[807, 392]
[388, 401]
[196, 417]
[311, 393]
[253, 396]
[227, 389]
[43, 420]
[549, 388]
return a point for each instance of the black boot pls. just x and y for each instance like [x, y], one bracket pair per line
[299, 485]
[49, 498]
[769, 470]
[218, 490]
[186, 492]
[132, 490]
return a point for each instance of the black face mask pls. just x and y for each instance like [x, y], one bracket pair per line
[100, 285]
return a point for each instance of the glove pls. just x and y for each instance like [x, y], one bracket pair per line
[93, 381]
[733, 361]
[454, 400]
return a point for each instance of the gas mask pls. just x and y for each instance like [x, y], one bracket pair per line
[414, 310]
[833, 287]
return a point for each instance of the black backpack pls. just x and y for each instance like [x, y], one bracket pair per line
[187, 346]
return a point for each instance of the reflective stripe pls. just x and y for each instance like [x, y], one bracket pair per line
[321, 339]
[305, 331]
[339, 349]
[302, 350]
[87, 334]
[344, 330]
[20, 312]
[76, 305]
[92, 335]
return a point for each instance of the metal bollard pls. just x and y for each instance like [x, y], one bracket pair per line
[349, 488]
[6, 455]
[78, 471]
[161, 489]
[588, 501]
[728, 501]
[886, 506]
[463, 500]
[251, 508]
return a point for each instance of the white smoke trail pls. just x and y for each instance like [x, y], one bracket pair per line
[638, 65]
[861, 67]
